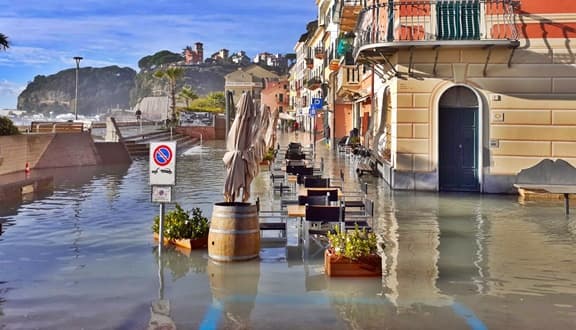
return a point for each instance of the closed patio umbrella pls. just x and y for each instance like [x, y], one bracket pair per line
[239, 159]
[271, 131]
[262, 143]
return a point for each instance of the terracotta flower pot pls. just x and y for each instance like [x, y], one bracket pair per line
[341, 266]
[190, 244]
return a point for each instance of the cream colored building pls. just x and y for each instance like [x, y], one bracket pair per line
[248, 79]
[466, 94]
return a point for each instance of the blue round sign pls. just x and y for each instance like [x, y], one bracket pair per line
[162, 155]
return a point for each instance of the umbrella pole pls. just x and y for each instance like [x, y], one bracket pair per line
[229, 104]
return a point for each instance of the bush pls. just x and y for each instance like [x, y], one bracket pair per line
[178, 224]
[7, 127]
[353, 244]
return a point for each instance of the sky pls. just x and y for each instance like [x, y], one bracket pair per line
[45, 35]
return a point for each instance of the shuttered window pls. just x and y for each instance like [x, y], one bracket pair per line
[458, 20]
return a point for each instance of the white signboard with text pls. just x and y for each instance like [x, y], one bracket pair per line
[163, 163]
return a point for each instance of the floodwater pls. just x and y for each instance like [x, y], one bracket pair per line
[83, 257]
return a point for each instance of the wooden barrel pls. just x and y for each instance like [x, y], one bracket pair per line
[234, 232]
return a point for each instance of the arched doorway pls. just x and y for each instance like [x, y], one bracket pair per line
[458, 140]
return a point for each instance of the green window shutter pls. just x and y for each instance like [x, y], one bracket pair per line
[458, 20]
[442, 20]
[471, 20]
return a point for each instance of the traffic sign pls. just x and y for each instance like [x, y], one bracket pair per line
[316, 103]
[163, 163]
[161, 194]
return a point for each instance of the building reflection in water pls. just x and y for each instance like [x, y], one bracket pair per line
[410, 259]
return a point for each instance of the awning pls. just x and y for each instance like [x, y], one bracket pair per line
[286, 116]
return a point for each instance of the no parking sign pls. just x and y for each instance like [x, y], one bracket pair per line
[163, 163]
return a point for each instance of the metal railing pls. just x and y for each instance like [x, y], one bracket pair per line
[456, 20]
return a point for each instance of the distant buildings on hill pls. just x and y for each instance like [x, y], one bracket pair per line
[196, 56]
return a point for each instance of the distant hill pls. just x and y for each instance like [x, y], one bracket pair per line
[99, 89]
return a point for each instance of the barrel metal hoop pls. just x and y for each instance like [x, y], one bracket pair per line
[232, 231]
[226, 215]
[229, 258]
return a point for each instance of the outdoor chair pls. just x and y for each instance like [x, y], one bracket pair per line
[295, 145]
[314, 200]
[302, 170]
[357, 203]
[295, 155]
[301, 177]
[315, 182]
[320, 219]
[361, 220]
[323, 192]
[271, 220]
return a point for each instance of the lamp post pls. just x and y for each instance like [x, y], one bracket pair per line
[77, 59]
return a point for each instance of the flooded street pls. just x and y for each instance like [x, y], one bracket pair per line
[84, 257]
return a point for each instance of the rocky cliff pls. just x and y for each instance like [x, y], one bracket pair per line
[99, 89]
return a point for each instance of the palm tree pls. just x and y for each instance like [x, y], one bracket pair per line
[172, 75]
[188, 94]
[4, 42]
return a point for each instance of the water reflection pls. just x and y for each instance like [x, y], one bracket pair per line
[84, 257]
[234, 289]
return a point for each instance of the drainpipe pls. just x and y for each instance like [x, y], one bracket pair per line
[332, 78]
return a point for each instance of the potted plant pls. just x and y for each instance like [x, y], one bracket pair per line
[268, 157]
[353, 253]
[184, 229]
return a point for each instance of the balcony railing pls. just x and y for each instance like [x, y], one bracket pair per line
[319, 52]
[441, 22]
[348, 78]
[313, 83]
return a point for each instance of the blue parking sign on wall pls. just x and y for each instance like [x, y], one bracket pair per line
[317, 103]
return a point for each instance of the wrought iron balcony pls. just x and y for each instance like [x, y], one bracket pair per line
[313, 83]
[383, 27]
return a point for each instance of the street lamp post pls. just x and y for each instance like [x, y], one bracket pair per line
[77, 59]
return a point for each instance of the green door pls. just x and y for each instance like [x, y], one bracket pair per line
[458, 149]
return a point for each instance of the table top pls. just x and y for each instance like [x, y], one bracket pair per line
[304, 191]
[296, 210]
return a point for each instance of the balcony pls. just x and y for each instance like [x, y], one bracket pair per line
[347, 81]
[319, 52]
[383, 29]
[309, 63]
[349, 14]
[313, 83]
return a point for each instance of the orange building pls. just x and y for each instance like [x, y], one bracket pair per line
[276, 94]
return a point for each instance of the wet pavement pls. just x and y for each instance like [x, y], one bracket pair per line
[83, 256]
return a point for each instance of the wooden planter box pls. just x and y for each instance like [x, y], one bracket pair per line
[342, 266]
[190, 244]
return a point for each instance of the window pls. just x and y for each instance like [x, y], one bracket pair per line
[458, 20]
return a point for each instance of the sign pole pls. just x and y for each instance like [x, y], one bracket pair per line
[161, 230]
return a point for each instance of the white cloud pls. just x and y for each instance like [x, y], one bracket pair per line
[9, 91]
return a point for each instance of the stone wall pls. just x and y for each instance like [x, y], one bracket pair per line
[56, 150]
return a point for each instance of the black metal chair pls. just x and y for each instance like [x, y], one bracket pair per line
[323, 192]
[314, 200]
[315, 182]
[320, 219]
[301, 177]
